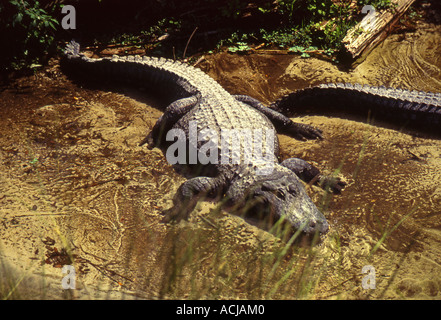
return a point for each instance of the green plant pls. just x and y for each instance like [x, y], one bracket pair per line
[288, 7]
[302, 50]
[240, 47]
[29, 33]
[320, 24]
[320, 8]
[377, 4]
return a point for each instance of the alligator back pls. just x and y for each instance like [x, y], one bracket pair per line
[173, 79]
[216, 109]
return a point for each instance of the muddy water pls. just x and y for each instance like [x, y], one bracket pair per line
[73, 178]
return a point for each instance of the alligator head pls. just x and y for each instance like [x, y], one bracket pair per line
[283, 195]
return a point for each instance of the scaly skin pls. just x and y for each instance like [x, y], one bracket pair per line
[408, 109]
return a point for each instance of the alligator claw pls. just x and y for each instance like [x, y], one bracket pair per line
[149, 140]
[334, 184]
[170, 215]
[303, 131]
[174, 215]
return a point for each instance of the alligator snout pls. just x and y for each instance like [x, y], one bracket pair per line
[303, 214]
[318, 224]
[287, 199]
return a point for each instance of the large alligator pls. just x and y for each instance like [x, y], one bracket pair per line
[233, 166]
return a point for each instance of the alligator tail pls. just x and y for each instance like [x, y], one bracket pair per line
[166, 77]
[402, 107]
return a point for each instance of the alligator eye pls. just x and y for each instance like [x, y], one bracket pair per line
[265, 188]
[280, 194]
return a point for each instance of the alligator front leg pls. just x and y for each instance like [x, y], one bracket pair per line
[171, 115]
[189, 194]
[310, 174]
[282, 123]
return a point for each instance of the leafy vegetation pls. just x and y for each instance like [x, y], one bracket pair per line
[166, 27]
[302, 24]
[29, 33]
[377, 4]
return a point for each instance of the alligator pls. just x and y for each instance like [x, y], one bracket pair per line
[408, 109]
[231, 169]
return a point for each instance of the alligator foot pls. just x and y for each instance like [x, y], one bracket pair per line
[311, 174]
[171, 115]
[174, 214]
[188, 195]
[331, 183]
[303, 131]
[149, 140]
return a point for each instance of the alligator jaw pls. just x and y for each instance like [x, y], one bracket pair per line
[305, 216]
[280, 195]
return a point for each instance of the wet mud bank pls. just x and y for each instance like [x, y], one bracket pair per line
[77, 189]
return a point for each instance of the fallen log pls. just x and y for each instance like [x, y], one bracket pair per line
[374, 28]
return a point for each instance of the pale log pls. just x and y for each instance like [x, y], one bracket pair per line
[373, 28]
